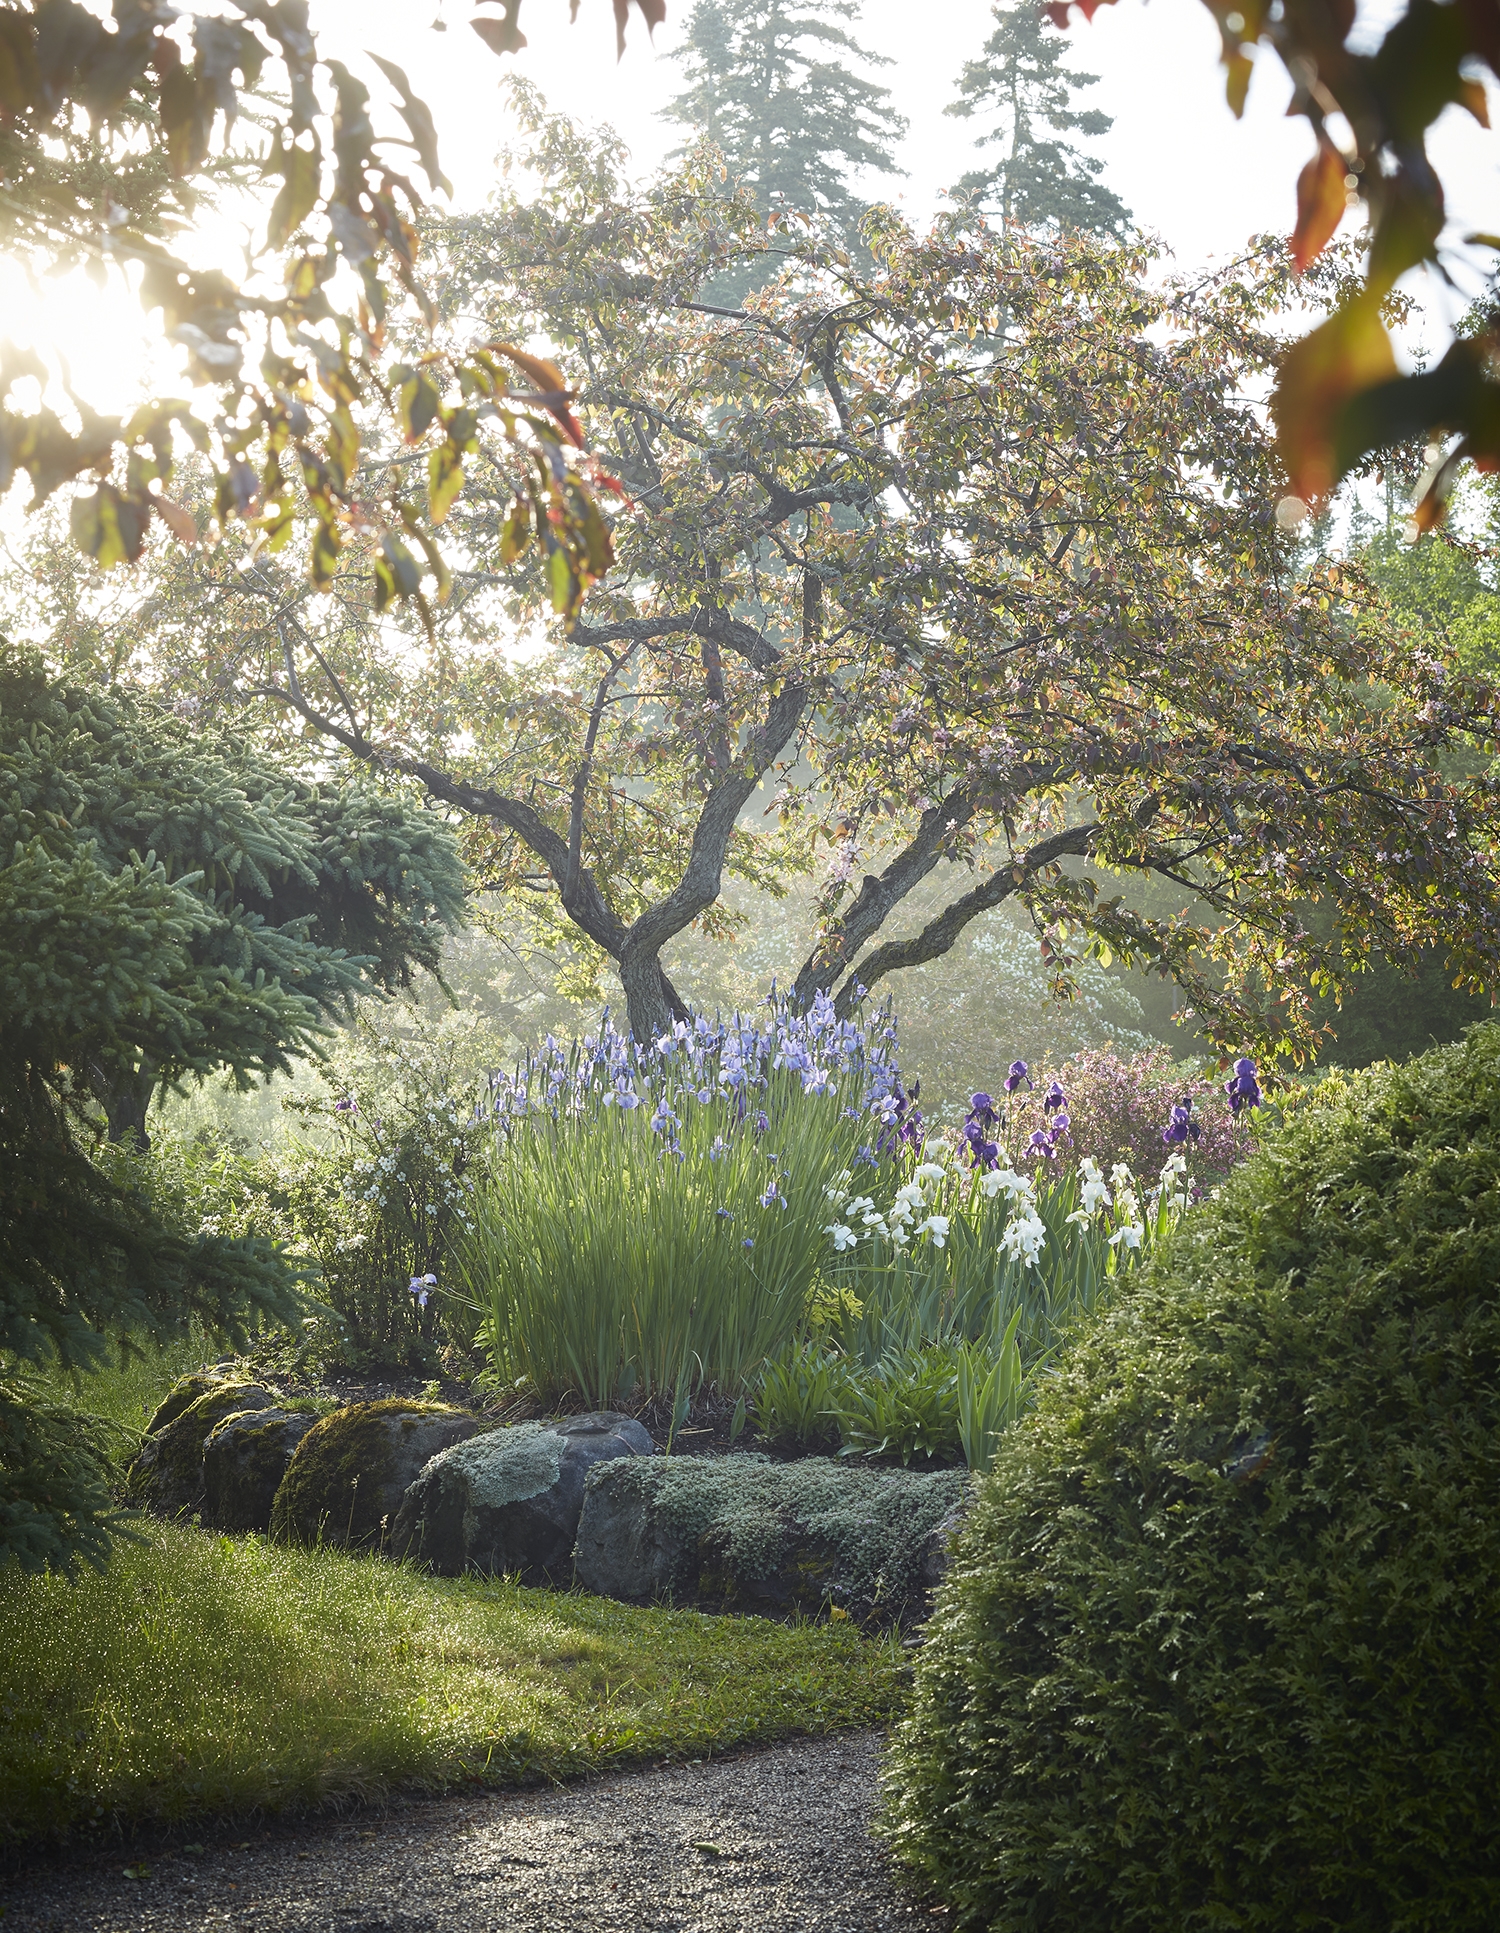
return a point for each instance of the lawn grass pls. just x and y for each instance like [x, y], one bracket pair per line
[203, 1673]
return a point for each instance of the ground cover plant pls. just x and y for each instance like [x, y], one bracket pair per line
[1218, 1648]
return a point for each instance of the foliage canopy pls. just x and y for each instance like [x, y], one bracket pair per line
[1021, 80]
[1339, 396]
[966, 561]
[169, 905]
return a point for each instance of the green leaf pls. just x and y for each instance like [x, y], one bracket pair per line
[397, 573]
[419, 404]
[562, 580]
[445, 479]
[301, 179]
[109, 526]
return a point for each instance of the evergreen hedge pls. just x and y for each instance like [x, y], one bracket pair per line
[1221, 1644]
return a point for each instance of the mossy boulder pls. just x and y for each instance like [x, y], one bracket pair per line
[167, 1474]
[348, 1474]
[757, 1535]
[244, 1459]
[509, 1501]
[1220, 1643]
[185, 1391]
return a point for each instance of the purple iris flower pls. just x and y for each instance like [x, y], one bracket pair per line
[1018, 1073]
[1041, 1143]
[982, 1110]
[1180, 1125]
[347, 1106]
[1053, 1099]
[1244, 1089]
[762, 1122]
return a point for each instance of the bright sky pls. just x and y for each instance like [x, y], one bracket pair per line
[1175, 155]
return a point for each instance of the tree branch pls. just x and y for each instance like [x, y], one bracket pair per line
[879, 893]
[939, 934]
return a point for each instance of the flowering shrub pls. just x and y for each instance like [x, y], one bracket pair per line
[651, 1217]
[1119, 1110]
[379, 1194]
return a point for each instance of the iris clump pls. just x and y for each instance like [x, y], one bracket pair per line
[633, 1235]
[952, 1279]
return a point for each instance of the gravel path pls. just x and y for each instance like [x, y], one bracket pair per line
[774, 1841]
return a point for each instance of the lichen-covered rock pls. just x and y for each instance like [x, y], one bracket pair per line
[244, 1459]
[350, 1471]
[510, 1501]
[186, 1390]
[759, 1535]
[167, 1474]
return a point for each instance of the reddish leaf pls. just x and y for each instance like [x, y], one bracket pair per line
[1320, 203]
[178, 520]
[1348, 353]
[551, 391]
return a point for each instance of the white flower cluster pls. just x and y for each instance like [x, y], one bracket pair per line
[1124, 1206]
[899, 1225]
[1175, 1190]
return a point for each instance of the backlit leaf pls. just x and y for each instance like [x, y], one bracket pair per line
[178, 520]
[551, 392]
[502, 36]
[419, 404]
[418, 119]
[1320, 203]
[301, 177]
[445, 478]
[1347, 353]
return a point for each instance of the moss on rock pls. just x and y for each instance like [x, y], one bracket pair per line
[349, 1473]
[509, 1501]
[167, 1474]
[185, 1391]
[244, 1459]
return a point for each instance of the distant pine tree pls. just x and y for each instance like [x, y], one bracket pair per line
[774, 88]
[1022, 82]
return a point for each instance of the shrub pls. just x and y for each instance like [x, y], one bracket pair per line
[1221, 1644]
[1118, 1109]
[375, 1191]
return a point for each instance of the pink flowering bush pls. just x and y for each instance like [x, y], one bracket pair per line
[1118, 1109]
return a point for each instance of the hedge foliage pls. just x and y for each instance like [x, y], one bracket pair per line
[1221, 1645]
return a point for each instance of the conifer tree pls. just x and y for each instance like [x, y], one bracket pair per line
[774, 87]
[1023, 86]
[169, 905]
